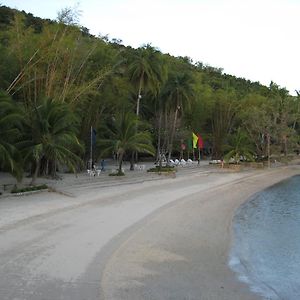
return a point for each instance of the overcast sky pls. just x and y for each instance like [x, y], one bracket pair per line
[255, 39]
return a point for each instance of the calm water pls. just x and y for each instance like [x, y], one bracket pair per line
[266, 248]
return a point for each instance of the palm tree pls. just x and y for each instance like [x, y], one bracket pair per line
[179, 92]
[239, 146]
[50, 136]
[10, 120]
[123, 137]
[145, 71]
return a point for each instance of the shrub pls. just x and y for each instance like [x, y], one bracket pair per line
[28, 189]
[158, 169]
[117, 174]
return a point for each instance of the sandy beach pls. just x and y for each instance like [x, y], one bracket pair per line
[140, 237]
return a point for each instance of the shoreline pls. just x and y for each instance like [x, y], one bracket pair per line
[194, 262]
[156, 239]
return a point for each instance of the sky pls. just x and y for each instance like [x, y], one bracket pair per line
[254, 39]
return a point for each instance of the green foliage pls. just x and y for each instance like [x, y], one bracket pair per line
[67, 80]
[10, 124]
[118, 173]
[16, 190]
[239, 147]
[159, 169]
[6, 17]
[50, 134]
[223, 112]
[123, 136]
[145, 69]
[179, 95]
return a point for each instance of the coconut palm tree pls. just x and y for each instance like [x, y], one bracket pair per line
[146, 71]
[179, 92]
[10, 120]
[50, 136]
[122, 137]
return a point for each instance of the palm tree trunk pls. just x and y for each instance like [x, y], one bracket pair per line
[268, 149]
[132, 161]
[166, 136]
[35, 174]
[47, 167]
[158, 151]
[173, 133]
[139, 95]
[285, 150]
[54, 169]
[134, 156]
[120, 163]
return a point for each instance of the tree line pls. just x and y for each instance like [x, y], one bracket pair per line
[57, 82]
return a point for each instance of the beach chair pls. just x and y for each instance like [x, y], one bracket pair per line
[172, 162]
[189, 161]
[182, 162]
[91, 173]
[176, 162]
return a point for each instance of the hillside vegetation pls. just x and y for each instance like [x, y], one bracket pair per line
[66, 95]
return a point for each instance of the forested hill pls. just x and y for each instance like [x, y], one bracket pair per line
[7, 16]
[214, 76]
[55, 71]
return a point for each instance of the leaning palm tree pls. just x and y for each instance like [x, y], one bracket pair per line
[123, 137]
[50, 137]
[10, 120]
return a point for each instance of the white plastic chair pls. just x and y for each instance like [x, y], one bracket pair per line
[172, 162]
[91, 173]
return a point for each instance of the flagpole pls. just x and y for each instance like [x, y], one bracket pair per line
[91, 152]
[198, 155]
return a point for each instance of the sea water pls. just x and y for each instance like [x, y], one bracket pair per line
[266, 243]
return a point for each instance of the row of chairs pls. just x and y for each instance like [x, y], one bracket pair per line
[139, 167]
[95, 172]
[181, 162]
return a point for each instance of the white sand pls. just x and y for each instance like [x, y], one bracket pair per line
[182, 252]
[154, 229]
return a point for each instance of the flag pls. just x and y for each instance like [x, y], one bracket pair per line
[195, 139]
[200, 142]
